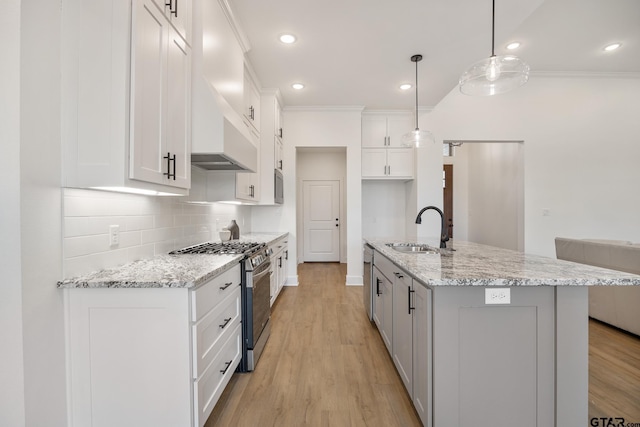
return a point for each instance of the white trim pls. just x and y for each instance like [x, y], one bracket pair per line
[292, 280]
[587, 74]
[354, 281]
[245, 45]
[336, 108]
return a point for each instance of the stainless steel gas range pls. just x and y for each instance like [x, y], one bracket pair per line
[256, 289]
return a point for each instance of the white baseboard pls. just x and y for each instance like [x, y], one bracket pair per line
[354, 281]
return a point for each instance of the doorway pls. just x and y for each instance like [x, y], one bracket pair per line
[447, 193]
[321, 176]
[321, 220]
[488, 192]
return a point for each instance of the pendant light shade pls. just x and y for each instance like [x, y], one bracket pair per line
[417, 137]
[496, 74]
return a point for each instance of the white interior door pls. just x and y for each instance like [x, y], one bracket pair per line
[321, 220]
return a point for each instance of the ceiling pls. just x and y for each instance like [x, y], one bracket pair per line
[357, 52]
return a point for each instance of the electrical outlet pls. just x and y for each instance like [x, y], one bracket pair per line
[114, 235]
[497, 296]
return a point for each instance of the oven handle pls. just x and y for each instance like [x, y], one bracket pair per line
[262, 271]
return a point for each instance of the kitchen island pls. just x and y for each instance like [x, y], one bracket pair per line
[483, 336]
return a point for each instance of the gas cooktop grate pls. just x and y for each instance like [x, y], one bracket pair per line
[220, 248]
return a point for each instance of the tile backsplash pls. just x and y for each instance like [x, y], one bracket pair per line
[148, 225]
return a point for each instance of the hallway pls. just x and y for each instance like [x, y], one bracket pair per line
[324, 365]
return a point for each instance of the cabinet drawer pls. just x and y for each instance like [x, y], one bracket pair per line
[208, 388]
[213, 329]
[212, 293]
[385, 266]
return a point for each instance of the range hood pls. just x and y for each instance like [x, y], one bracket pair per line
[220, 140]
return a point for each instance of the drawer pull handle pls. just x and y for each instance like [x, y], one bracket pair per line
[226, 322]
[224, 371]
[226, 285]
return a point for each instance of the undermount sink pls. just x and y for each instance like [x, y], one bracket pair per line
[413, 248]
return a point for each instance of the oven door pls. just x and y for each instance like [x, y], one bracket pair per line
[260, 294]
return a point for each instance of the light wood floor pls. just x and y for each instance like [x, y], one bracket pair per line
[614, 373]
[325, 365]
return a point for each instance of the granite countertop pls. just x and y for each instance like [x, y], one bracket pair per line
[472, 264]
[166, 271]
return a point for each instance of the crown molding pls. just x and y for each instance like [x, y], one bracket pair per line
[235, 26]
[586, 74]
[328, 108]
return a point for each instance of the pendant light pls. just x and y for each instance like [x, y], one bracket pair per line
[416, 138]
[496, 74]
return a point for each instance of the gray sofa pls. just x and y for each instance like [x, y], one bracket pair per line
[617, 305]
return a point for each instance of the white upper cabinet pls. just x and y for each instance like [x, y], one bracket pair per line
[278, 120]
[388, 163]
[271, 145]
[160, 83]
[251, 103]
[126, 103]
[223, 56]
[385, 130]
[179, 13]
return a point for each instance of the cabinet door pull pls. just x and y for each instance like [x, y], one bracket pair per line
[286, 254]
[280, 132]
[377, 286]
[224, 371]
[170, 159]
[389, 169]
[280, 161]
[226, 322]
[226, 285]
[279, 262]
[173, 11]
[398, 275]
[409, 299]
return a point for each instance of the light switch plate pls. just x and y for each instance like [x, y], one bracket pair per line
[497, 296]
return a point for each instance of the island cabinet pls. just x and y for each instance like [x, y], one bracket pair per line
[383, 307]
[152, 356]
[409, 310]
[487, 337]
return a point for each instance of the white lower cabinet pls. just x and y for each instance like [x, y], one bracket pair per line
[279, 258]
[151, 356]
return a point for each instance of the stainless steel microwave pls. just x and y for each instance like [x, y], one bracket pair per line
[278, 184]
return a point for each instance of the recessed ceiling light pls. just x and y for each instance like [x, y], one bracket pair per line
[287, 38]
[297, 86]
[513, 46]
[612, 46]
[405, 86]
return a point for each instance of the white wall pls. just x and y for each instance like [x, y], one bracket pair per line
[149, 226]
[40, 207]
[495, 194]
[488, 193]
[309, 127]
[322, 164]
[427, 187]
[12, 408]
[581, 152]
[384, 209]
